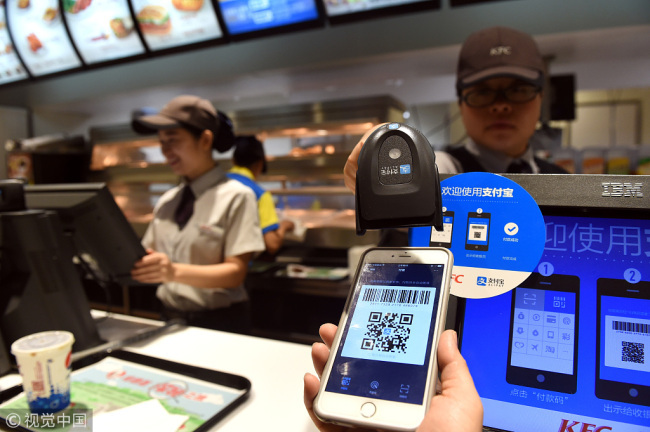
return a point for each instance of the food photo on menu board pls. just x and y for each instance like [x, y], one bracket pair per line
[171, 23]
[40, 37]
[102, 30]
[11, 69]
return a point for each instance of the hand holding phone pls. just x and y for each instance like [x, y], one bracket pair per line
[383, 367]
[458, 407]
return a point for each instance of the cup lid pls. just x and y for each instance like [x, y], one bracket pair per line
[42, 341]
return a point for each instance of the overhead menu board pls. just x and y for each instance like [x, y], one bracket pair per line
[171, 23]
[455, 3]
[40, 36]
[102, 30]
[339, 11]
[11, 69]
[247, 18]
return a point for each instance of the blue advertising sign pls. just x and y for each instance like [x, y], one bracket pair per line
[495, 230]
[567, 347]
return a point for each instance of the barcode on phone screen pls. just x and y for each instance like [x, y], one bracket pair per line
[631, 327]
[390, 331]
[633, 352]
[384, 295]
[387, 332]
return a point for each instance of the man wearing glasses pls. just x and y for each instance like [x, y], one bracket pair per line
[499, 82]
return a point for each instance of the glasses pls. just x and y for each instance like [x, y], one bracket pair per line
[486, 96]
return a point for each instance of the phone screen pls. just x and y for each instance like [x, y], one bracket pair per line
[478, 231]
[443, 238]
[386, 344]
[544, 330]
[543, 336]
[623, 336]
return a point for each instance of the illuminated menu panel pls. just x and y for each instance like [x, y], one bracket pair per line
[102, 30]
[455, 3]
[11, 69]
[342, 7]
[172, 23]
[40, 37]
[248, 16]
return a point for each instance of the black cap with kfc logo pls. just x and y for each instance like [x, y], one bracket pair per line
[499, 52]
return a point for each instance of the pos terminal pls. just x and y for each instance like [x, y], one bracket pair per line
[41, 289]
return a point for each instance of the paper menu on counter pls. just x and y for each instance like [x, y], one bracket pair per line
[112, 384]
[148, 415]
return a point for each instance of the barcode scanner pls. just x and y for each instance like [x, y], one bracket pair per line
[397, 181]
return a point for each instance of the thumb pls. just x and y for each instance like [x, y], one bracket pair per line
[455, 377]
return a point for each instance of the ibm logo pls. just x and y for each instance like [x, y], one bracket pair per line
[615, 189]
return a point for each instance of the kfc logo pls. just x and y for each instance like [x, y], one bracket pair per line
[574, 426]
[457, 278]
[500, 50]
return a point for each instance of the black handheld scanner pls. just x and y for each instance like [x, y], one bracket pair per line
[397, 181]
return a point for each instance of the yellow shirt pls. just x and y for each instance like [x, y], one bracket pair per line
[265, 205]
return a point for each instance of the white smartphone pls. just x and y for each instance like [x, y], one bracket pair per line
[382, 369]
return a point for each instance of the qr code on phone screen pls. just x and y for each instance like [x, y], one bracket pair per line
[633, 352]
[387, 332]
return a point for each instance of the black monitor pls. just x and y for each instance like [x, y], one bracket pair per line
[40, 289]
[568, 348]
[101, 238]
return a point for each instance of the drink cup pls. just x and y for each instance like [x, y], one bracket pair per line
[44, 364]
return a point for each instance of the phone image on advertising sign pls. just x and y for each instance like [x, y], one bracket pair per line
[443, 238]
[623, 341]
[478, 231]
[543, 343]
[382, 369]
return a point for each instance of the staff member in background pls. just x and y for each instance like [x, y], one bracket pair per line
[205, 230]
[249, 163]
[499, 82]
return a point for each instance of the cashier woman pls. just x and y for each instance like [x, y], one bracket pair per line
[206, 229]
